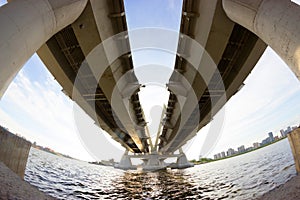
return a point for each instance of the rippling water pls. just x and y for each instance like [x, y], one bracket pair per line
[243, 177]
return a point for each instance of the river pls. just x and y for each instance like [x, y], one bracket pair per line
[243, 177]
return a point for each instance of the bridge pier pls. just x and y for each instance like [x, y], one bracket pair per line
[182, 162]
[14, 151]
[125, 162]
[26, 26]
[276, 22]
[294, 139]
[154, 161]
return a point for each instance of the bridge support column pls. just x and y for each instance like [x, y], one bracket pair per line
[182, 161]
[14, 151]
[294, 139]
[125, 162]
[276, 22]
[154, 162]
[26, 26]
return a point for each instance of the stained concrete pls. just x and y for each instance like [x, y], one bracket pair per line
[294, 139]
[14, 151]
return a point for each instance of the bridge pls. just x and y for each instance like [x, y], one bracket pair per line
[85, 45]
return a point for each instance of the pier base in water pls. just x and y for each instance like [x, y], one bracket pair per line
[153, 162]
[125, 162]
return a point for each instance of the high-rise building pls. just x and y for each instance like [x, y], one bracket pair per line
[282, 132]
[256, 145]
[265, 141]
[241, 149]
[223, 154]
[288, 130]
[271, 137]
[230, 152]
[217, 156]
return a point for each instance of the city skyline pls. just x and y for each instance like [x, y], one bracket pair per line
[35, 107]
[242, 149]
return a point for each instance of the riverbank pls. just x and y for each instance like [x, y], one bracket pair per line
[13, 187]
[209, 160]
[288, 191]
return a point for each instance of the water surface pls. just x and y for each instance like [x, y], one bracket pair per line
[243, 177]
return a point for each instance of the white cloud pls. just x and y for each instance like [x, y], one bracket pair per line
[41, 112]
[259, 107]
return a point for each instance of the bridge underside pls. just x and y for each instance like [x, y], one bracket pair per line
[66, 52]
[233, 49]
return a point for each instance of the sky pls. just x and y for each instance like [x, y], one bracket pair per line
[34, 106]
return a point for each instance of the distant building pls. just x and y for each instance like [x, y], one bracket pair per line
[230, 152]
[271, 137]
[249, 149]
[223, 154]
[256, 145]
[217, 156]
[288, 130]
[283, 133]
[265, 141]
[276, 138]
[241, 149]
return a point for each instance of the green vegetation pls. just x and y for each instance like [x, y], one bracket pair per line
[202, 161]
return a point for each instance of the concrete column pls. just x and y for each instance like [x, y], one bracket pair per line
[125, 162]
[182, 162]
[14, 151]
[276, 22]
[25, 26]
[294, 139]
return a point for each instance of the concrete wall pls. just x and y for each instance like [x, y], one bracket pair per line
[294, 139]
[14, 151]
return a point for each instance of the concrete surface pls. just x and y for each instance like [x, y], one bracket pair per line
[14, 151]
[26, 26]
[13, 187]
[276, 22]
[287, 191]
[294, 139]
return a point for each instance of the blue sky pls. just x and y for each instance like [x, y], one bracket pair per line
[35, 107]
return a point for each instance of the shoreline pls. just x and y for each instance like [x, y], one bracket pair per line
[235, 155]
